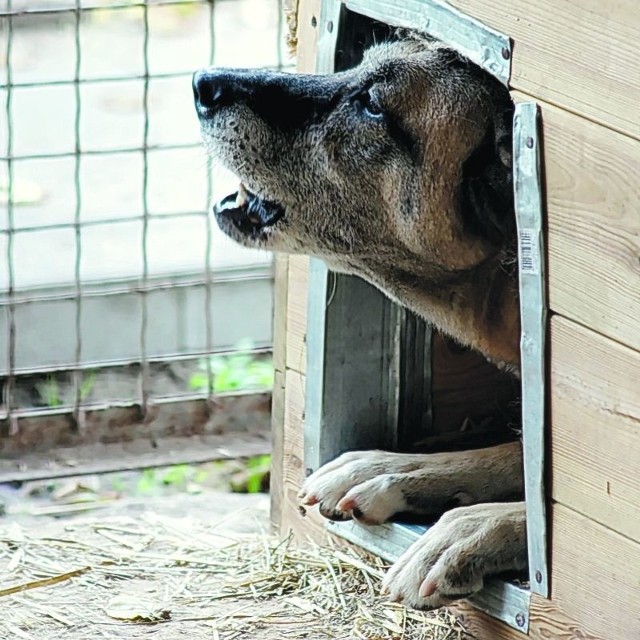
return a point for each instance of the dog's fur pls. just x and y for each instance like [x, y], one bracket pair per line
[398, 171]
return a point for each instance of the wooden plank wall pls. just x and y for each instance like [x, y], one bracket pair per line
[290, 348]
[580, 60]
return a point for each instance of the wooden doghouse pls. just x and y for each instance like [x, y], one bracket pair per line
[354, 371]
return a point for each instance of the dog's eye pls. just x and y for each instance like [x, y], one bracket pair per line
[369, 104]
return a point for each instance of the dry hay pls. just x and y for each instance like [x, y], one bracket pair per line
[168, 578]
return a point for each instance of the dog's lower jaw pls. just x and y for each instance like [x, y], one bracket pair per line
[248, 219]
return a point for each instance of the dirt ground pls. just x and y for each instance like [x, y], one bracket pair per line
[198, 566]
[87, 606]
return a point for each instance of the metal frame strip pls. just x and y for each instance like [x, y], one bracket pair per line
[208, 277]
[86, 8]
[78, 417]
[484, 46]
[533, 314]
[500, 599]
[8, 388]
[144, 320]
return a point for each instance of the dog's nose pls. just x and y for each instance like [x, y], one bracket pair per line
[208, 91]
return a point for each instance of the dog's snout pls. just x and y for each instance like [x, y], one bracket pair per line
[208, 91]
[284, 101]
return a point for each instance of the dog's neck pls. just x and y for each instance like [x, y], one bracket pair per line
[477, 307]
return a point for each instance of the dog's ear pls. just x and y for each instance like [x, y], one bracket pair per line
[503, 127]
[486, 189]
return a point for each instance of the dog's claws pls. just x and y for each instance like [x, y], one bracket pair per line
[427, 588]
[347, 504]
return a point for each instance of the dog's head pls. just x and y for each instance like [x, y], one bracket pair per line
[403, 160]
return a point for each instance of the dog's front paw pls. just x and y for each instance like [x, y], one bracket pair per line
[358, 484]
[455, 556]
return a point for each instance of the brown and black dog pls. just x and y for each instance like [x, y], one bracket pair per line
[398, 171]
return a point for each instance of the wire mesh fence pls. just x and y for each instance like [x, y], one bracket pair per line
[104, 198]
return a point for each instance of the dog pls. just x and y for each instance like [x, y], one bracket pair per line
[398, 171]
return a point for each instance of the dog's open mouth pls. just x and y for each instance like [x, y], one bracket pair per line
[247, 212]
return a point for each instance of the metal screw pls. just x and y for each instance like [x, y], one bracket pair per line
[330, 26]
[530, 142]
[520, 619]
[539, 576]
[506, 54]
[314, 22]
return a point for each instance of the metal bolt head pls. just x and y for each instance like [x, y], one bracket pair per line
[520, 619]
[330, 26]
[529, 142]
[506, 54]
[539, 576]
[314, 22]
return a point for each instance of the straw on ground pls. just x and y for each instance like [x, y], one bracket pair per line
[167, 578]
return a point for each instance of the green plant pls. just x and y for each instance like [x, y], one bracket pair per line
[148, 482]
[253, 477]
[257, 468]
[237, 371]
[178, 475]
[49, 389]
[87, 385]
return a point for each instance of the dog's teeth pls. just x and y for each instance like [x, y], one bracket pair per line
[242, 197]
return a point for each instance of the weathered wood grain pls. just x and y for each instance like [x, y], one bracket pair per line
[582, 55]
[546, 622]
[277, 404]
[595, 576]
[595, 426]
[276, 492]
[297, 313]
[312, 525]
[307, 34]
[280, 302]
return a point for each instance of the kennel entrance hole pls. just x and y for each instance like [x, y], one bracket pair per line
[378, 377]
